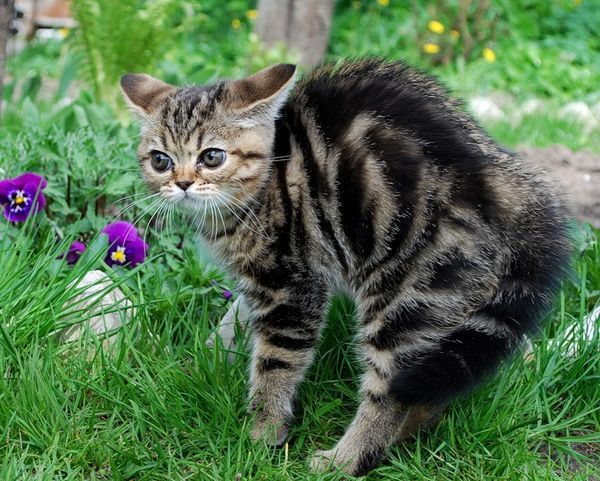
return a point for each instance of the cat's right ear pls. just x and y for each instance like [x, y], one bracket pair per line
[143, 92]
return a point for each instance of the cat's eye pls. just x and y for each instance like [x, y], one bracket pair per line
[212, 157]
[161, 162]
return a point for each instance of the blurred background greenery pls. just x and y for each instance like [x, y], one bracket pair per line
[529, 70]
[525, 47]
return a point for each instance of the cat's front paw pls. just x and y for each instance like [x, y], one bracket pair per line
[322, 461]
[331, 459]
[270, 431]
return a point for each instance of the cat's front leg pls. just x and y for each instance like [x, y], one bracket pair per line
[283, 340]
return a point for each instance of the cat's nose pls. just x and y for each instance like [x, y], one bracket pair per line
[183, 184]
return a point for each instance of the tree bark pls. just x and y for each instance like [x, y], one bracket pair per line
[6, 15]
[302, 25]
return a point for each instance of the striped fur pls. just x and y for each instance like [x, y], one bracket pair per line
[369, 177]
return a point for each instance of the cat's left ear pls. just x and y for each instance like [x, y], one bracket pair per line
[143, 93]
[263, 94]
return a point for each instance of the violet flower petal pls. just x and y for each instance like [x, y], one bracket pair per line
[20, 216]
[126, 246]
[136, 251]
[6, 186]
[30, 178]
[32, 190]
[120, 231]
[75, 251]
[30, 186]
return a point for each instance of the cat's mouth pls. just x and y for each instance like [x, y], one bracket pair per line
[205, 197]
[202, 199]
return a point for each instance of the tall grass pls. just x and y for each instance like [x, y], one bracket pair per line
[164, 407]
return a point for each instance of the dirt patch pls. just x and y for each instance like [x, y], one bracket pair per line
[588, 463]
[577, 172]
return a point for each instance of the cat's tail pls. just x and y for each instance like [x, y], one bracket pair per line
[454, 366]
[464, 357]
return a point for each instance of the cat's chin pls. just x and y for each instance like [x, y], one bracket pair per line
[192, 204]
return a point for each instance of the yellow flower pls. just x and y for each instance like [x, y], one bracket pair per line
[436, 27]
[383, 3]
[454, 34]
[235, 23]
[489, 55]
[251, 14]
[119, 255]
[63, 32]
[431, 48]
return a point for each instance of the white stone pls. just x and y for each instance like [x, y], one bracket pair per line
[596, 110]
[486, 109]
[581, 112]
[100, 308]
[575, 334]
[235, 320]
[530, 107]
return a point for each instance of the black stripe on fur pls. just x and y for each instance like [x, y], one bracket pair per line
[367, 461]
[397, 323]
[459, 363]
[283, 316]
[270, 364]
[290, 343]
[355, 206]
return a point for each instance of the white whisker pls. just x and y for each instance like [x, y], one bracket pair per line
[264, 234]
[148, 226]
[129, 205]
[253, 218]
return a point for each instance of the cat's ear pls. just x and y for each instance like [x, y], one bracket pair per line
[262, 94]
[143, 92]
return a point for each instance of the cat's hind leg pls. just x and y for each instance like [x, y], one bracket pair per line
[418, 418]
[373, 430]
[380, 422]
[381, 418]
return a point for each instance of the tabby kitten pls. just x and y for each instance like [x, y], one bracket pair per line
[367, 177]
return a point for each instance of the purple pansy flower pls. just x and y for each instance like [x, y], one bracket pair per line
[126, 246]
[74, 252]
[22, 196]
[227, 294]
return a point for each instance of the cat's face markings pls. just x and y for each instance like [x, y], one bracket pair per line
[206, 146]
[226, 164]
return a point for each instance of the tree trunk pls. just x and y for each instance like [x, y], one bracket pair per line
[6, 15]
[302, 25]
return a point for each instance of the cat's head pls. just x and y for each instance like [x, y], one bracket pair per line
[208, 146]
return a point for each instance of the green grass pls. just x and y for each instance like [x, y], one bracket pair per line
[163, 406]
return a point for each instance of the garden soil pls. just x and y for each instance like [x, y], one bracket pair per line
[577, 172]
